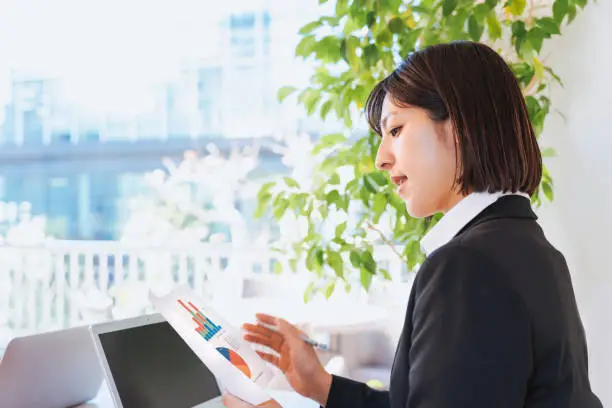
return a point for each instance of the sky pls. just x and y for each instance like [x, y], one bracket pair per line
[123, 44]
[105, 48]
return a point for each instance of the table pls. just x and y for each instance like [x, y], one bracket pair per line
[285, 398]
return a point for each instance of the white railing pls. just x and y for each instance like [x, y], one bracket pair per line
[66, 283]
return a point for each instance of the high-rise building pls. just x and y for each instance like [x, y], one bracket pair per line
[79, 165]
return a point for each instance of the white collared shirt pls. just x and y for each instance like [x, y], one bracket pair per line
[458, 217]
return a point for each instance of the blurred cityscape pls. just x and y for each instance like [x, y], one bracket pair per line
[84, 121]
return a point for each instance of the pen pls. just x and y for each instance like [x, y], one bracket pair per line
[305, 338]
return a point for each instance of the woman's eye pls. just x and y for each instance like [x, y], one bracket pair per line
[395, 131]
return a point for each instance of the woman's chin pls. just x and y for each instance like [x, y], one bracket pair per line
[416, 210]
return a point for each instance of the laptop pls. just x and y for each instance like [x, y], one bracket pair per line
[148, 365]
[50, 370]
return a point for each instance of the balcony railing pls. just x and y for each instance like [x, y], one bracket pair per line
[66, 283]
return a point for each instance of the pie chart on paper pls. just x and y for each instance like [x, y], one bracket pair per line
[235, 359]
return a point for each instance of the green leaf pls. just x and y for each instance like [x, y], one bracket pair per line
[280, 208]
[548, 191]
[369, 183]
[396, 25]
[310, 27]
[315, 260]
[491, 3]
[334, 179]
[379, 178]
[332, 198]
[517, 7]
[263, 199]
[347, 287]
[580, 3]
[342, 7]
[571, 14]
[324, 210]
[475, 28]
[370, 19]
[284, 92]
[329, 49]
[325, 108]
[265, 189]
[328, 290]
[328, 141]
[310, 292]
[365, 278]
[278, 268]
[480, 12]
[493, 26]
[367, 261]
[430, 37]
[448, 6]
[306, 46]
[349, 52]
[549, 152]
[538, 68]
[355, 259]
[332, 139]
[379, 205]
[385, 38]
[319, 255]
[340, 228]
[370, 55]
[408, 41]
[291, 182]
[536, 38]
[310, 98]
[385, 273]
[549, 25]
[334, 260]
[555, 76]
[560, 10]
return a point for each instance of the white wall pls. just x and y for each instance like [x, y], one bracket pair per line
[579, 221]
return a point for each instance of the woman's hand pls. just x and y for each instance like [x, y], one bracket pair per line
[296, 359]
[233, 402]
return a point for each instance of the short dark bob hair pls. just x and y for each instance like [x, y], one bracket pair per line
[473, 86]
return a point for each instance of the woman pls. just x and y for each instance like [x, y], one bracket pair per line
[491, 320]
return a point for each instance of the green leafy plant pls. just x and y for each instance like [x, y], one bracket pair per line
[352, 50]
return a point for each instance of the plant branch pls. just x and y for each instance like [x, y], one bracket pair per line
[531, 9]
[385, 240]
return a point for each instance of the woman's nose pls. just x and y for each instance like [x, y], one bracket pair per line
[384, 158]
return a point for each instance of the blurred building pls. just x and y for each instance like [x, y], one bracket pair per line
[79, 166]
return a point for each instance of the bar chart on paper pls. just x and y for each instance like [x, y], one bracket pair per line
[208, 329]
[219, 345]
[205, 327]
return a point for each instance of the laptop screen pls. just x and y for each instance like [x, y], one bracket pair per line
[153, 367]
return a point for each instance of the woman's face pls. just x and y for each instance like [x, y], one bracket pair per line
[419, 155]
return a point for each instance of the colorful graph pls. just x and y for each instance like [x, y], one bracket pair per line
[205, 327]
[235, 359]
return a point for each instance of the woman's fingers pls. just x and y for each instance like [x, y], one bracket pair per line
[263, 341]
[264, 336]
[231, 401]
[266, 318]
[272, 359]
[259, 329]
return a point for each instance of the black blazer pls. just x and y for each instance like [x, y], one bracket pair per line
[492, 322]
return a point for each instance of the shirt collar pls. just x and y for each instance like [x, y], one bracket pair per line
[458, 217]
